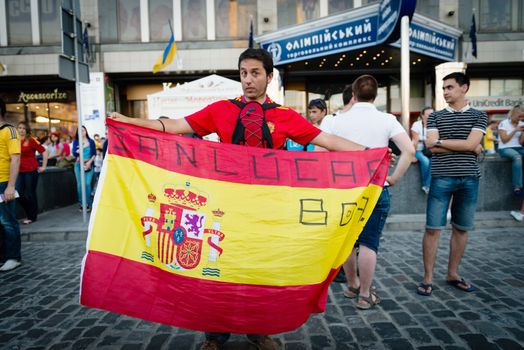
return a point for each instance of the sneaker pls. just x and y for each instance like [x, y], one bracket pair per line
[264, 342]
[210, 344]
[9, 265]
[517, 215]
[425, 189]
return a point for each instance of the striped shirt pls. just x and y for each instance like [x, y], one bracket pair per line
[456, 125]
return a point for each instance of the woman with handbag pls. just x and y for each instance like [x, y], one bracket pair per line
[423, 154]
[89, 154]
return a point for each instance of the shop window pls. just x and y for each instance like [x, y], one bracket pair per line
[429, 8]
[335, 103]
[381, 102]
[107, 21]
[194, 20]
[160, 14]
[495, 15]
[128, 20]
[335, 6]
[49, 16]
[479, 87]
[505, 87]
[233, 18]
[296, 12]
[18, 13]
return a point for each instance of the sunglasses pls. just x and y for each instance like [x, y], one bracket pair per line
[318, 102]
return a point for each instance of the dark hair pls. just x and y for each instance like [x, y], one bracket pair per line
[2, 108]
[425, 109]
[347, 94]
[365, 88]
[259, 55]
[459, 77]
[27, 128]
[87, 133]
[319, 103]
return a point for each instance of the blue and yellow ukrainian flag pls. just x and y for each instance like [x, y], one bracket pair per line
[167, 57]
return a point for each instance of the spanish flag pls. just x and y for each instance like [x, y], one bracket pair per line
[222, 238]
[167, 57]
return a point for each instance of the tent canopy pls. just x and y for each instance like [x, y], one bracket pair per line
[185, 99]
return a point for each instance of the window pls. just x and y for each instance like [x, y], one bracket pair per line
[18, 13]
[296, 12]
[505, 87]
[194, 20]
[128, 20]
[160, 14]
[495, 15]
[335, 6]
[49, 16]
[107, 21]
[479, 87]
[233, 18]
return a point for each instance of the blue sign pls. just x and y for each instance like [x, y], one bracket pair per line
[342, 37]
[431, 43]
[389, 14]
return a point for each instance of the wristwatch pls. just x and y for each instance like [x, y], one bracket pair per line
[438, 142]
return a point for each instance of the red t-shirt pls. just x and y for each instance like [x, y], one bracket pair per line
[283, 123]
[28, 161]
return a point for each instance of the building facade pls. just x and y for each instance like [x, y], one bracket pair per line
[125, 38]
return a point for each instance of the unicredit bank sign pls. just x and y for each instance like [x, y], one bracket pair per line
[369, 26]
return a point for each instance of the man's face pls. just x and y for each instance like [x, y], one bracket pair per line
[254, 79]
[453, 92]
[316, 115]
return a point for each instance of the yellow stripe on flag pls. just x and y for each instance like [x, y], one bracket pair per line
[272, 252]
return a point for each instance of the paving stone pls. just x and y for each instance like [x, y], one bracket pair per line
[478, 341]
[398, 344]
[418, 335]
[341, 333]
[403, 318]
[131, 347]
[456, 326]
[320, 342]
[442, 335]
[295, 346]
[386, 330]
[157, 341]
[508, 344]
[364, 335]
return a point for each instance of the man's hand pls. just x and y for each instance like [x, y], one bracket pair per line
[9, 193]
[392, 158]
[119, 117]
[478, 149]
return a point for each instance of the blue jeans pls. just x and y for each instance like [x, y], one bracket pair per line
[370, 236]
[88, 179]
[464, 190]
[11, 243]
[515, 154]
[26, 187]
[425, 168]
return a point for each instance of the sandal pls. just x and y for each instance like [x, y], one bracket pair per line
[27, 222]
[371, 301]
[462, 285]
[425, 289]
[351, 292]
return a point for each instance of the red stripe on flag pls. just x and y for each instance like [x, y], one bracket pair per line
[140, 290]
[248, 165]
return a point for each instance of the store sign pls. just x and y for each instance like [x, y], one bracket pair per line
[93, 104]
[53, 96]
[342, 37]
[372, 30]
[484, 103]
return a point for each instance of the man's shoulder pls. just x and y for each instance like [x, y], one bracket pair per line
[7, 131]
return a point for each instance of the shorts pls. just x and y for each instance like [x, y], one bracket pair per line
[370, 236]
[464, 190]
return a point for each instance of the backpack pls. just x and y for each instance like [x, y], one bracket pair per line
[251, 128]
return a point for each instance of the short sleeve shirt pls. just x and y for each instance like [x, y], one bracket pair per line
[9, 144]
[456, 125]
[508, 128]
[283, 123]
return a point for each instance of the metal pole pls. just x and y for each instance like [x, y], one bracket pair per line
[404, 71]
[80, 124]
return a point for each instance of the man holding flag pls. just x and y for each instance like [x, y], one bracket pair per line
[256, 72]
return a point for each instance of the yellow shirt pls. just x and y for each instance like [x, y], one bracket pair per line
[9, 144]
[488, 142]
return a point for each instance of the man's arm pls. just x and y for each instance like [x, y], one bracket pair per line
[407, 153]
[9, 193]
[335, 143]
[469, 145]
[174, 126]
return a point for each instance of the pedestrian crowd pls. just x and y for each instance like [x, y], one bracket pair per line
[446, 143]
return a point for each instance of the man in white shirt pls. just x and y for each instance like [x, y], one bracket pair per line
[364, 124]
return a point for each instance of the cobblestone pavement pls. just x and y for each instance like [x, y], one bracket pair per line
[39, 304]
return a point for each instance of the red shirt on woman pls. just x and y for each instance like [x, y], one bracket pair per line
[28, 160]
